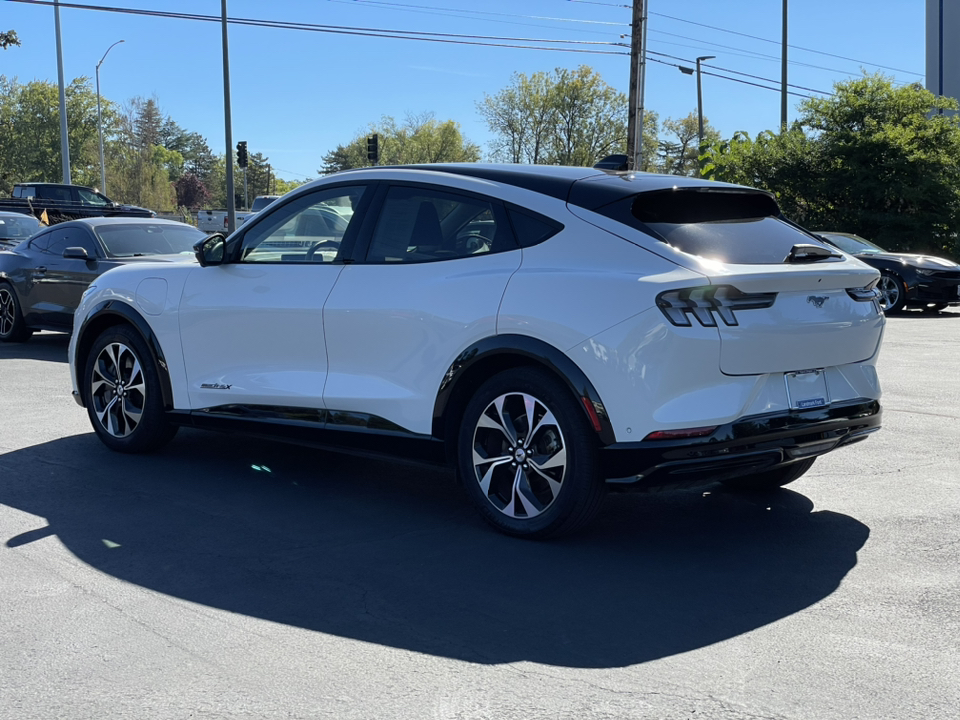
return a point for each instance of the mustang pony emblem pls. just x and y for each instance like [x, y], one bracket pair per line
[817, 300]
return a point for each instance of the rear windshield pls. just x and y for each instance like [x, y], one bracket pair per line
[18, 228]
[741, 227]
[135, 240]
[261, 202]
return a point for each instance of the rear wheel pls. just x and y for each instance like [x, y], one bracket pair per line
[770, 479]
[12, 326]
[122, 392]
[527, 457]
[893, 296]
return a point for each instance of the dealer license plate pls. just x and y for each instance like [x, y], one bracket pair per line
[807, 389]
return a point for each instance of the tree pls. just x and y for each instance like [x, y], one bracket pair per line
[568, 117]
[680, 150]
[191, 192]
[30, 131]
[8, 38]
[419, 139]
[873, 159]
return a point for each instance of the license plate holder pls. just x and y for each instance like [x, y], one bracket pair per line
[806, 389]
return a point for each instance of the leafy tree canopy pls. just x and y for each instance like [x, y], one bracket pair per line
[418, 139]
[873, 159]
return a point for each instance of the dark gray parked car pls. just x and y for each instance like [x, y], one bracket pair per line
[43, 278]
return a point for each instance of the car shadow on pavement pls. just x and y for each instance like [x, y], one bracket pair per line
[394, 555]
[48, 347]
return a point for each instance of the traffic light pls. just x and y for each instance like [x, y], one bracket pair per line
[373, 148]
[242, 153]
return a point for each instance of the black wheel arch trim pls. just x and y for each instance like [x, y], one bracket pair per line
[126, 313]
[530, 351]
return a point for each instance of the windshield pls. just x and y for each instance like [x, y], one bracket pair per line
[15, 229]
[853, 244]
[135, 240]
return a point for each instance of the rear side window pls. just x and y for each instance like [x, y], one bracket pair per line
[741, 227]
[532, 229]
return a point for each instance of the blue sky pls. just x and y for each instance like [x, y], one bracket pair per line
[297, 94]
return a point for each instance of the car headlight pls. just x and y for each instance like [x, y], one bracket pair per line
[90, 289]
[923, 271]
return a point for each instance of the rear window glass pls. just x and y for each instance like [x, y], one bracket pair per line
[740, 227]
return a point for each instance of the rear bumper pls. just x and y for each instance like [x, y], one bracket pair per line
[748, 445]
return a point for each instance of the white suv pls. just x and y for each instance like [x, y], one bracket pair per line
[550, 332]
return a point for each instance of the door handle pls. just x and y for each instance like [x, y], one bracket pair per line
[41, 269]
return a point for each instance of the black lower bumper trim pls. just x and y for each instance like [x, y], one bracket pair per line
[745, 446]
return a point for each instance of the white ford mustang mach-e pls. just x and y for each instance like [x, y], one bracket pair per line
[550, 332]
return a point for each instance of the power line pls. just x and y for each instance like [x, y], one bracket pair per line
[451, 38]
[776, 42]
[742, 82]
[737, 72]
[361, 3]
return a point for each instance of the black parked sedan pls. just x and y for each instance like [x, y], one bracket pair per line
[43, 278]
[15, 228]
[906, 280]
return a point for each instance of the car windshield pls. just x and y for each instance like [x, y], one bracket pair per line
[135, 240]
[853, 244]
[16, 229]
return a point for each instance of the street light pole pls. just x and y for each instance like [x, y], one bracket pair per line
[228, 125]
[103, 174]
[700, 97]
[64, 137]
[783, 72]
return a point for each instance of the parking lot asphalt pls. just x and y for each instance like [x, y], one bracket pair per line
[226, 577]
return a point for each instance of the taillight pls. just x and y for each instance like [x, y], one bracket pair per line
[865, 294]
[706, 303]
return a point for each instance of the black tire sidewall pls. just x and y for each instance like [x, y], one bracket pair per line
[154, 430]
[901, 298]
[582, 486]
[19, 332]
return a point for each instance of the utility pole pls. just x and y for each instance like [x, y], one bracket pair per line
[64, 137]
[638, 50]
[228, 127]
[783, 73]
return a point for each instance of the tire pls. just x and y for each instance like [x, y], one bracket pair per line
[127, 416]
[893, 296]
[12, 326]
[555, 494]
[770, 479]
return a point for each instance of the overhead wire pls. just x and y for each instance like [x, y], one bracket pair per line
[451, 38]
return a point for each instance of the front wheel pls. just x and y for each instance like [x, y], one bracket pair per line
[527, 456]
[770, 479]
[121, 388]
[12, 326]
[893, 295]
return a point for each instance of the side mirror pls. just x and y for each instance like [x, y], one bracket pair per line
[76, 253]
[210, 250]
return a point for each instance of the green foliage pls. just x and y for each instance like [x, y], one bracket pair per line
[679, 151]
[8, 38]
[567, 117]
[30, 132]
[418, 139]
[873, 159]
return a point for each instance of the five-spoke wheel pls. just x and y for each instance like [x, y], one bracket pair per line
[892, 295]
[527, 455]
[118, 390]
[122, 393]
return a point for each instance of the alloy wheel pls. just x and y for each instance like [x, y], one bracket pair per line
[117, 389]
[519, 455]
[8, 312]
[889, 292]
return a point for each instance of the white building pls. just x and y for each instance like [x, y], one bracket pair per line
[943, 47]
